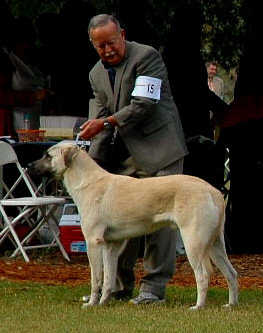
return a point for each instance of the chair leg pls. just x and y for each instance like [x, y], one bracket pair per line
[64, 253]
[45, 218]
[14, 234]
[51, 215]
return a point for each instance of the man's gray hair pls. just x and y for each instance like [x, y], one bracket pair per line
[102, 20]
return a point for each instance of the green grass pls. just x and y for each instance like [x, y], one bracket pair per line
[37, 308]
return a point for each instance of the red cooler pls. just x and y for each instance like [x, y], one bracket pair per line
[71, 236]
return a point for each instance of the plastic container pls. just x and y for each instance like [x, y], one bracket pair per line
[29, 135]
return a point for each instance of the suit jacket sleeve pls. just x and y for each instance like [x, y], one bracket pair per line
[138, 109]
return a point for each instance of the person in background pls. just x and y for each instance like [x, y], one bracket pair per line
[135, 131]
[9, 97]
[26, 77]
[215, 83]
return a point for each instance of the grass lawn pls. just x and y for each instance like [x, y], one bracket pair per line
[37, 308]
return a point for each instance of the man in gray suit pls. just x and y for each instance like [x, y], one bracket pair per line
[135, 130]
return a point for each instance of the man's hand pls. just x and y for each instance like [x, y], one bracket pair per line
[91, 128]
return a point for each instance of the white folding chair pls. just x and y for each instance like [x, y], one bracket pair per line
[33, 211]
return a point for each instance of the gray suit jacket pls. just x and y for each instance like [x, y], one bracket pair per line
[151, 129]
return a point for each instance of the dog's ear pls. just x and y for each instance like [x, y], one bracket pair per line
[69, 154]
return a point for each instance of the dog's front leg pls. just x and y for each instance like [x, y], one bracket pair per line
[111, 252]
[95, 253]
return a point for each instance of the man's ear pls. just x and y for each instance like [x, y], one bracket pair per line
[123, 33]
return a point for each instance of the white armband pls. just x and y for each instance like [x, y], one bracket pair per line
[146, 86]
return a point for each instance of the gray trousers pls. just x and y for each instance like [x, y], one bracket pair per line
[159, 253]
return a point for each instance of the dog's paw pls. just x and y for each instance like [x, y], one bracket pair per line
[228, 306]
[88, 305]
[196, 307]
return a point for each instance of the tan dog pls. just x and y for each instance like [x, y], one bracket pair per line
[114, 208]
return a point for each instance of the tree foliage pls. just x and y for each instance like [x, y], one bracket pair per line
[225, 28]
[32, 8]
[226, 22]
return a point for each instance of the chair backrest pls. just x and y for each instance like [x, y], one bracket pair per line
[7, 156]
[7, 153]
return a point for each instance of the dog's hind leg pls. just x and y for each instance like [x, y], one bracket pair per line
[202, 272]
[219, 257]
[111, 253]
[95, 253]
[200, 263]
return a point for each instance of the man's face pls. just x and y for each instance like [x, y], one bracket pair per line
[109, 42]
[211, 70]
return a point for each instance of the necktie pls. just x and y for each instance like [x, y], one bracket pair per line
[112, 74]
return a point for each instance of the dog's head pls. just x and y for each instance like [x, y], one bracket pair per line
[55, 161]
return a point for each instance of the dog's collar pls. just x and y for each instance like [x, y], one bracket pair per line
[80, 143]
